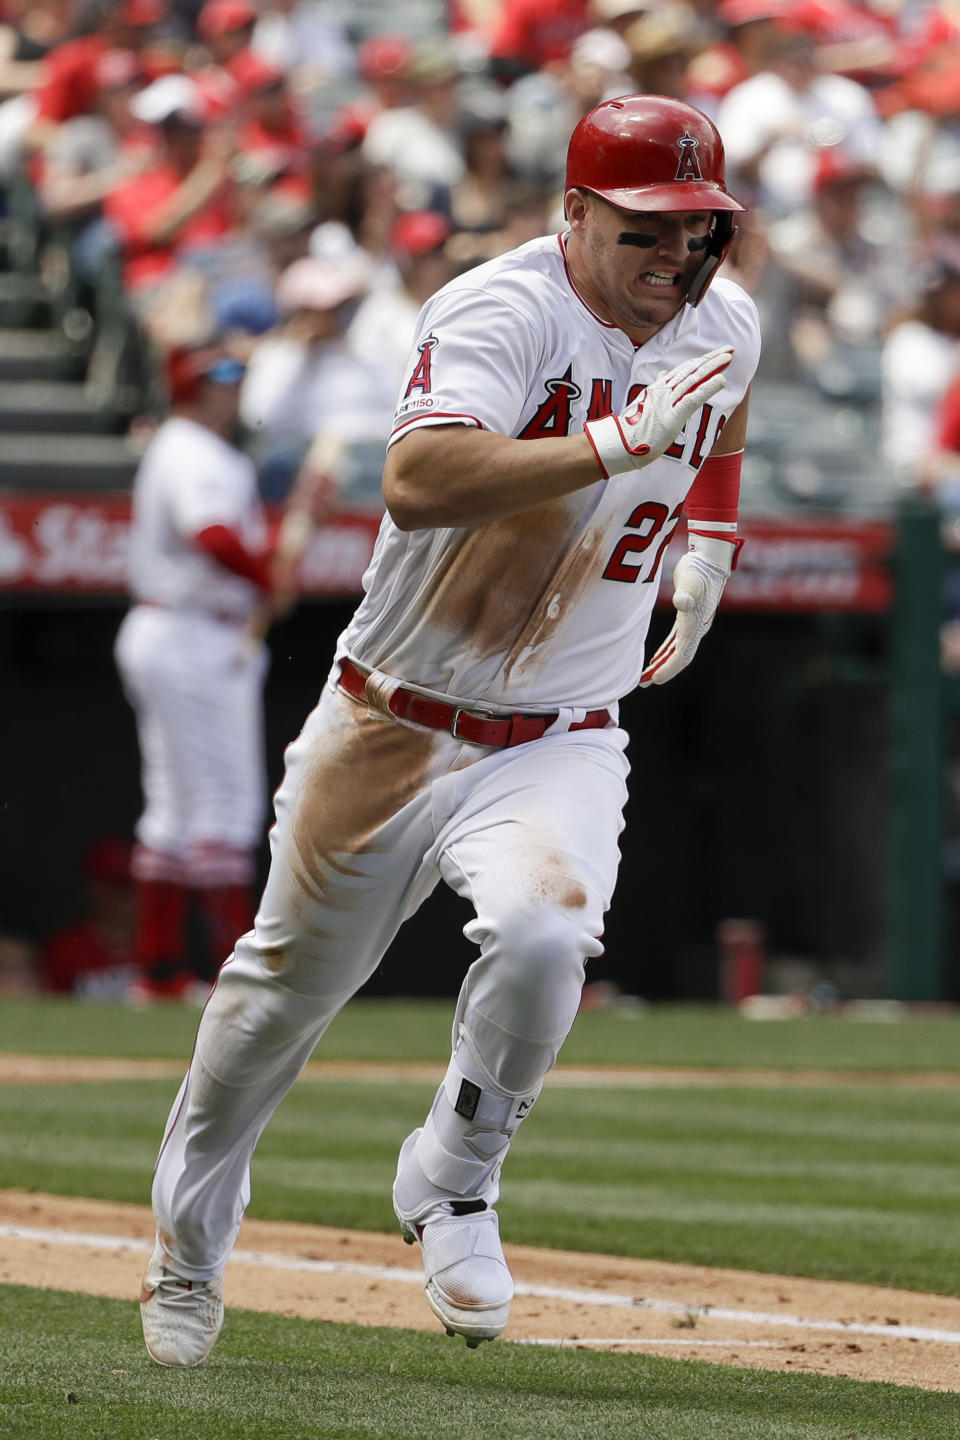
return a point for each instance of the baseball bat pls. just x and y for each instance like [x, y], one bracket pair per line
[300, 522]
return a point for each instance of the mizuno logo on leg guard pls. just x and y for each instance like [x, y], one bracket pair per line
[468, 1099]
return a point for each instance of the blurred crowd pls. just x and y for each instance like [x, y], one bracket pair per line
[279, 173]
[297, 176]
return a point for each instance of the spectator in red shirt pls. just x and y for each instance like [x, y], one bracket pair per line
[69, 84]
[852, 39]
[28, 32]
[475, 20]
[532, 32]
[183, 199]
[225, 27]
[91, 153]
[384, 63]
[941, 477]
[948, 420]
[742, 52]
[270, 131]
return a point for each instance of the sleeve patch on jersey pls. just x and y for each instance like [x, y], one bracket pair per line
[421, 380]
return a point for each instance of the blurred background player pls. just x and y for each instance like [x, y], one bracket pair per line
[199, 565]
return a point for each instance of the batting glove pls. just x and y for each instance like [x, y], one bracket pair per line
[698, 581]
[645, 429]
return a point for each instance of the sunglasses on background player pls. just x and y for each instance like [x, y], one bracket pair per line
[226, 371]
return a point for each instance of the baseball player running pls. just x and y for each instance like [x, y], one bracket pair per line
[565, 405]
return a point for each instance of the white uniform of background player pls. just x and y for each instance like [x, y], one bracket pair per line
[195, 679]
[468, 731]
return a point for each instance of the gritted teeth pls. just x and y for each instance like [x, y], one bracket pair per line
[659, 277]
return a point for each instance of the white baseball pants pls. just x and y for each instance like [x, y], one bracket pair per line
[370, 815]
[196, 685]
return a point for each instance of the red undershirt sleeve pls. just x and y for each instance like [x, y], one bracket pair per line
[226, 547]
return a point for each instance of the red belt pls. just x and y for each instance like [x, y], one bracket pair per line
[482, 727]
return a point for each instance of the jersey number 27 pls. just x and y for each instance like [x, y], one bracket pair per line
[648, 520]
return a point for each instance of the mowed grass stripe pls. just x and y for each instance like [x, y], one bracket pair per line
[851, 1184]
[419, 1030]
[74, 1369]
[20, 1069]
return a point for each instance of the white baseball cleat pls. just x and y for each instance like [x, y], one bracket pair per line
[181, 1318]
[468, 1285]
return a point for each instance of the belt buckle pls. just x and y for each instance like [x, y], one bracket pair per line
[476, 711]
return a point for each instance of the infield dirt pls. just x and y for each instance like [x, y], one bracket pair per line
[100, 1249]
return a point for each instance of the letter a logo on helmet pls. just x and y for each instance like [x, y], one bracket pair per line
[688, 166]
[646, 153]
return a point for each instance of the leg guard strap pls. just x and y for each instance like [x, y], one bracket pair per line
[459, 1151]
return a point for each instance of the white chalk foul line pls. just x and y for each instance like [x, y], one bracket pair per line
[600, 1298]
[636, 1340]
[738, 1317]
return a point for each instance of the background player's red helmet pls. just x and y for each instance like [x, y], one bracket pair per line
[648, 152]
[186, 366]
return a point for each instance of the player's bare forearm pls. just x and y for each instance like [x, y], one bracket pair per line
[453, 476]
[733, 436]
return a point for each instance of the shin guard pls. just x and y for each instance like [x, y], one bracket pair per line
[464, 1141]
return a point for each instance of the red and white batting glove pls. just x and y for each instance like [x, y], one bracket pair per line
[645, 429]
[698, 581]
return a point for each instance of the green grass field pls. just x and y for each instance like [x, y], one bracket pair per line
[405, 1030]
[853, 1182]
[270, 1377]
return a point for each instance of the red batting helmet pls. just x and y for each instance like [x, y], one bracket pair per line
[648, 152]
[187, 366]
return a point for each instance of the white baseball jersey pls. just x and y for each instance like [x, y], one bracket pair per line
[548, 608]
[188, 479]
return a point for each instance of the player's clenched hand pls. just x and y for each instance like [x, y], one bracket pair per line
[698, 582]
[645, 429]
